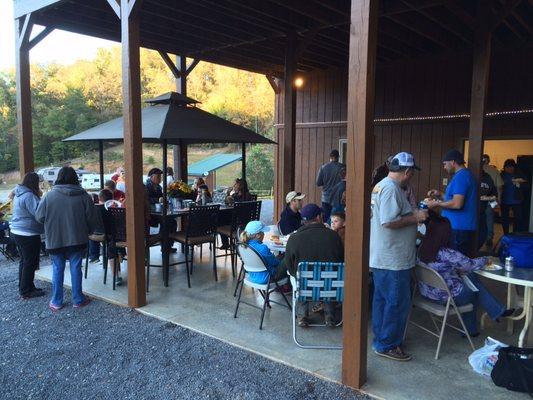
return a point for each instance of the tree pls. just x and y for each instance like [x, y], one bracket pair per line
[259, 169]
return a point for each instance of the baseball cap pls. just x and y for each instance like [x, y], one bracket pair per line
[402, 160]
[310, 211]
[254, 227]
[155, 171]
[294, 196]
[454, 155]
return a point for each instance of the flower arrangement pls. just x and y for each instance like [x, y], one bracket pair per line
[179, 189]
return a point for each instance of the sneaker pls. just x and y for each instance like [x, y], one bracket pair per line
[33, 294]
[118, 282]
[54, 308]
[303, 322]
[330, 321]
[83, 303]
[94, 260]
[396, 354]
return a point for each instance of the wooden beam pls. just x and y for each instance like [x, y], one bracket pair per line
[40, 36]
[192, 65]
[274, 83]
[23, 27]
[361, 88]
[507, 8]
[524, 24]
[115, 6]
[243, 161]
[135, 202]
[478, 98]
[175, 71]
[287, 141]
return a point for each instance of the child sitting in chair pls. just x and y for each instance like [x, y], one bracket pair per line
[252, 236]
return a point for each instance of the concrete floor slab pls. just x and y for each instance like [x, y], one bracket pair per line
[208, 308]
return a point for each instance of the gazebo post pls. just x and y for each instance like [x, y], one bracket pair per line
[135, 201]
[244, 161]
[23, 28]
[180, 151]
[101, 160]
[361, 82]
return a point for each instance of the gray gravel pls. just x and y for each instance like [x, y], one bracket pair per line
[108, 352]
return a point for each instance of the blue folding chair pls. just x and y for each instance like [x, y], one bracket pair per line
[317, 281]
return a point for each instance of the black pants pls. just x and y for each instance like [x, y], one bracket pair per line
[29, 248]
[517, 217]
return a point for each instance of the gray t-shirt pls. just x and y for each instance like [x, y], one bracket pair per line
[393, 249]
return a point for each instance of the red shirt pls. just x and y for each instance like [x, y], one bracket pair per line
[119, 195]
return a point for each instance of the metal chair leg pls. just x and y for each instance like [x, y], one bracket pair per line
[265, 303]
[86, 263]
[187, 266]
[115, 269]
[215, 263]
[238, 301]
[239, 280]
[147, 269]
[442, 329]
[192, 258]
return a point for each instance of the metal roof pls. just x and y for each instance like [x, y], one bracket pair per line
[209, 164]
[176, 122]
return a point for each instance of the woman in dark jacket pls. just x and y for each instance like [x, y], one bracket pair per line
[27, 233]
[69, 216]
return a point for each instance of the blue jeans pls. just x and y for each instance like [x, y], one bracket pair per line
[461, 240]
[326, 208]
[94, 249]
[390, 307]
[58, 261]
[489, 217]
[484, 298]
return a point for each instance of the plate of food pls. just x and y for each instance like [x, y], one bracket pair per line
[492, 267]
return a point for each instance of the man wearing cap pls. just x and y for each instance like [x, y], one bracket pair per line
[393, 227]
[153, 185]
[313, 242]
[290, 219]
[459, 201]
[154, 193]
[328, 176]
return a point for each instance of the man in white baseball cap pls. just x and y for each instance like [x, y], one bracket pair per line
[290, 219]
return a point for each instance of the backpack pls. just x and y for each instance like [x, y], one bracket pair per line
[520, 247]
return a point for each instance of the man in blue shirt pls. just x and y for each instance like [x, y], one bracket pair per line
[328, 176]
[459, 202]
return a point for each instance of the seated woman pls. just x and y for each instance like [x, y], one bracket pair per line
[196, 186]
[239, 192]
[252, 236]
[204, 196]
[436, 252]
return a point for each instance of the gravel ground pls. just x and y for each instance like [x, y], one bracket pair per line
[108, 352]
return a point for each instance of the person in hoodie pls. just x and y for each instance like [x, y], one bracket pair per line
[69, 216]
[27, 233]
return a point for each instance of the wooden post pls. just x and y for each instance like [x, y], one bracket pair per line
[23, 27]
[101, 159]
[287, 139]
[478, 100]
[131, 92]
[180, 151]
[243, 161]
[361, 68]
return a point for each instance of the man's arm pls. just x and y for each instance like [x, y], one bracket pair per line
[456, 203]
[320, 177]
[417, 217]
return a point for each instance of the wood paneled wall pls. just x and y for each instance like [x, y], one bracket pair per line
[426, 87]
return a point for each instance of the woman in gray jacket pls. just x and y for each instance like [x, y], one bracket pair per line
[26, 232]
[69, 216]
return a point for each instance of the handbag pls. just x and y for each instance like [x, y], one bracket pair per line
[514, 369]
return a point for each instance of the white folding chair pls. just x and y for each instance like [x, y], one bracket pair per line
[317, 281]
[253, 262]
[432, 278]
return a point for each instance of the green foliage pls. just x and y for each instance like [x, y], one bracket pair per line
[150, 160]
[67, 99]
[259, 170]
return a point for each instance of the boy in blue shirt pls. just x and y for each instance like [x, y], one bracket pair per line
[459, 201]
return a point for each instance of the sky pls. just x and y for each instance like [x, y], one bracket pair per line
[59, 46]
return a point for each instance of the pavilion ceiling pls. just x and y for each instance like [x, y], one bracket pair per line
[251, 34]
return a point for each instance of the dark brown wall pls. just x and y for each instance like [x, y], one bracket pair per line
[426, 87]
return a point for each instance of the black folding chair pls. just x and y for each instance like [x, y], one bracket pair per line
[201, 228]
[242, 213]
[5, 242]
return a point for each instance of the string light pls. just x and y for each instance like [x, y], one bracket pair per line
[451, 116]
